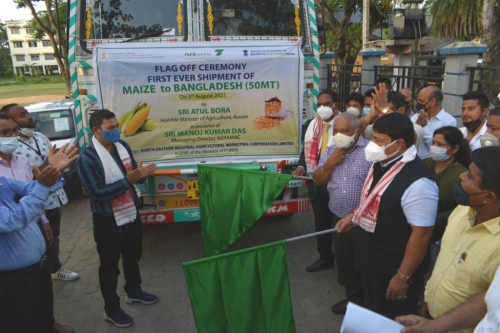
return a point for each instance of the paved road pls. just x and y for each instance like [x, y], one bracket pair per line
[165, 248]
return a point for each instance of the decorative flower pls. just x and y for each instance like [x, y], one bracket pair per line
[180, 186]
[162, 203]
[170, 186]
[161, 186]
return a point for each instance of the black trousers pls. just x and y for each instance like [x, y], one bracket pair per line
[323, 219]
[54, 217]
[113, 241]
[26, 302]
[376, 295]
[344, 245]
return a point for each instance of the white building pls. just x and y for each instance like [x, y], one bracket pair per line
[29, 55]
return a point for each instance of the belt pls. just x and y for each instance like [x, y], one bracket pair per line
[24, 271]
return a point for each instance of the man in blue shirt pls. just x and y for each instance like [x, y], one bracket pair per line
[25, 284]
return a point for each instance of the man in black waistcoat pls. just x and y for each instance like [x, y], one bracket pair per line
[396, 214]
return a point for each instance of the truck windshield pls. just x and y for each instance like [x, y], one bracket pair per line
[253, 18]
[129, 19]
[56, 125]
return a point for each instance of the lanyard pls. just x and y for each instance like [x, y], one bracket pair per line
[37, 150]
[441, 174]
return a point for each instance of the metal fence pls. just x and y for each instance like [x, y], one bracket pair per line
[345, 80]
[414, 77]
[486, 80]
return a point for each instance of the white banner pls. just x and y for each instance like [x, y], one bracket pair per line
[203, 100]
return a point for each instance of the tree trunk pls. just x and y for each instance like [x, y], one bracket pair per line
[490, 34]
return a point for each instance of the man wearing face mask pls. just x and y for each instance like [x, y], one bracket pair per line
[470, 251]
[343, 168]
[318, 137]
[474, 110]
[430, 116]
[35, 147]
[354, 104]
[410, 100]
[492, 135]
[108, 173]
[16, 167]
[397, 212]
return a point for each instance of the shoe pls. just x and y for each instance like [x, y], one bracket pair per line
[142, 297]
[340, 307]
[119, 318]
[65, 275]
[320, 265]
[59, 328]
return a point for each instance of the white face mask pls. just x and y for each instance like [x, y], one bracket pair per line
[8, 145]
[343, 141]
[325, 112]
[438, 154]
[488, 140]
[352, 110]
[28, 131]
[375, 153]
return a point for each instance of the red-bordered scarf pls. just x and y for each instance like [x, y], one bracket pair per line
[367, 213]
[312, 144]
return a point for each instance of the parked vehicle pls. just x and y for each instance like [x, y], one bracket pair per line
[210, 23]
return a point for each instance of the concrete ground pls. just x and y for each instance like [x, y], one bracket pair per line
[165, 247]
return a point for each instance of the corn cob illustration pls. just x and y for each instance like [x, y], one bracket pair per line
[136, 120]
[149, 125]
[124, 119]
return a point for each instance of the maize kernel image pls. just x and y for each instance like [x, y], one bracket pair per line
[136, 120]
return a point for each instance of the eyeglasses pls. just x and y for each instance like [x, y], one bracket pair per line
[327, 104]
[10, 132]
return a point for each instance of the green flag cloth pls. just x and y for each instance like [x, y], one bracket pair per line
[232, 200]
[242, 291]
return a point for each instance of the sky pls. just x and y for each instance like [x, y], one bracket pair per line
[9, 11]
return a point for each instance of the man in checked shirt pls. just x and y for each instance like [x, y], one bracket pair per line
[343, 167]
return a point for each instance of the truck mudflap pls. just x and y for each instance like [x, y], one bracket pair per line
[193, 214]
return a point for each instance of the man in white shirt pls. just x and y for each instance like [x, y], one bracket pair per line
[474, 110]
[483, 305]
[430, 116]
[34, 146]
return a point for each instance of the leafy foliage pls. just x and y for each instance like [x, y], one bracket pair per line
[457, 18]
[346, 38]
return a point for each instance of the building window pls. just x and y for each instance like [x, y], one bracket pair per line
[49, 57]
[15, 31]
[20, 57]
[18, 44]
[32, 44]
[35, 57]
[46, 43]
[30, 31]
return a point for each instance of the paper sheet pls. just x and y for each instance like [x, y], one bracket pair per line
[360, 320]
[61, 124]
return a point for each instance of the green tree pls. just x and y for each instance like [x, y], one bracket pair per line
[346, 38]
[468, 20]
[52, 23]
[5, 60]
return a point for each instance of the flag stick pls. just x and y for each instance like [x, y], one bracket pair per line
[315, 234]
[303, 177]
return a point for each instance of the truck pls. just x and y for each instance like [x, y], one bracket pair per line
[199, 34]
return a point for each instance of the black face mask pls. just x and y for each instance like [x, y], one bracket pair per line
[419, 106]
[473, 125]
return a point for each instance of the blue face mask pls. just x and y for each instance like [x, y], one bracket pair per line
[463, 198]
[111, 136]
[366, 111]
